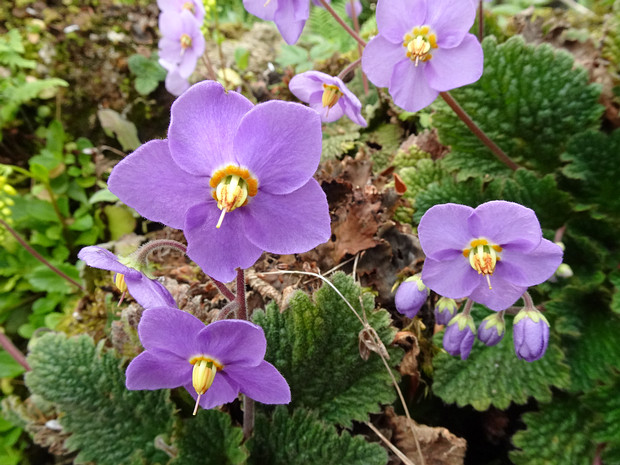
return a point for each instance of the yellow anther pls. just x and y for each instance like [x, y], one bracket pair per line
[119, 282]
[231, 188]
[419, 43]
[186, 41]
[189, 6]
[483, 257]
[203, 375]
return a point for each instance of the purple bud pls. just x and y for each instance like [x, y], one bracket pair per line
[460, 335]
[410, 296]
[445, 310]
[492, 329]
[531, 334]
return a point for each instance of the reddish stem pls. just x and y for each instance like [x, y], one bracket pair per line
[340, 21]
[13, 351]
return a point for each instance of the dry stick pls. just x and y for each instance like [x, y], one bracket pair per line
[347, 28]
[39, 257]
[392, 447]
[378, 343]
[13, 351]
[493, 147]
[356, 26]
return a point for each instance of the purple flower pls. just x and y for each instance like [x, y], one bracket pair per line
[492, 329]
[423, 48]
[318, 2]
[328, 95]
[357, 8]
[410, 296]
[147, 292]
[289, 15]
[236, 178]
[214, 363]
[531, 334]
[445, 310]
[490, 254]
[460, 335]
[175, 83]
[182, 42]
[195, 7]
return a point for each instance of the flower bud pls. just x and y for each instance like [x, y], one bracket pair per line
[564, 271]
[492, 329]
[460, 335]
[445, 310]
[531, 334]
[410, 296]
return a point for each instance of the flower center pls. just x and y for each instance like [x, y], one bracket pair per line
[483, 256]
[121, 285]
[419, 42]
[331, 95]
[189, 6]
[232, 186]
[186, 41]
[203, 374]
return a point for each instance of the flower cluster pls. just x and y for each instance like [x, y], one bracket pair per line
[236, 178]
[182, 42]
[423, 48]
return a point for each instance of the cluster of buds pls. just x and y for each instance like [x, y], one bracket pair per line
[182, 42]
[6, 202]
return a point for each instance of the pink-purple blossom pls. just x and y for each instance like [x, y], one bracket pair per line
[423, 47]
[195, 7]
[410, 296]
[147, 292]
[355, 9]
[460, 335]
[290, 16]
[530, 334]
[492, 329]
[328, 95]
[236, 178]
[490, 254]
[214, 362]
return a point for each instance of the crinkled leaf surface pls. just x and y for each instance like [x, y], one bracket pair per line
[314, 344]
[605, 401]
[301, 438]
[107, 422]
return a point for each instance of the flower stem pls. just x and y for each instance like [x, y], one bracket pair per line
[39, 257]
[340, 21]
[13, 351]
[480, 20]
[223, 289]
[242, 312]
[143, 252]
[467, 308]
[493, 147]
[360, 48]
[350, 67]
[529, 303]
[248, 416]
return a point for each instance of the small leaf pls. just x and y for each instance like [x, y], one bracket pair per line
[117, 126]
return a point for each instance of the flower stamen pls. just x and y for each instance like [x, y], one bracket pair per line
[203, 375]
[119, 282]
[483, 257]
[186, 42]
[331, 95]
[190, 7]
[419, 42]
[232, 186]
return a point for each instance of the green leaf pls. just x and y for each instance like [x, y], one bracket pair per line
[295, 56]
[242, 58]
[302, 438]
[495, 376]
[116, 125]
[149, 73]
[606, 402]
[9, 368]
[107, 422]
[120, 220]
[209, 439]
[560, 433]
[530, 100]
[593, 163]
[44, 279]
[103, 195]
[314, 344]
[614, 277]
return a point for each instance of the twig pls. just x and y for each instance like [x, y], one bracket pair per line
[392, 447]
[340, 21]
[39, 257]
[479, 133]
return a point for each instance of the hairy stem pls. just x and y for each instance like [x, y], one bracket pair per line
[479, 133]
[340, 21]
[350, 67]
[142, 254]
[242, 312]
[39, 257]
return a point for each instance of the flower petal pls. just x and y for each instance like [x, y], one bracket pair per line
[203, 123]
[233, 342]
[150, 182]
[305, 84]
[222, 391]
[455, 67]
[155, 369]
[289, 223]
[329, 115]
[379, 58]
[395, 18]
[502, 295]
[263, 9]
[149, 293]
[281, 143]
[450, 278]
[410, 88]
[530, 269]
[263, 383]
[443, 230]
[450, 20]
[290, 17]
[103, 259]
[171, 330]
[219, 251]
[506, 223]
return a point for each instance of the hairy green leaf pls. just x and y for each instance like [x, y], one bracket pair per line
[314, 344]
[303, 438]
[108, 422]
[606, 402]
